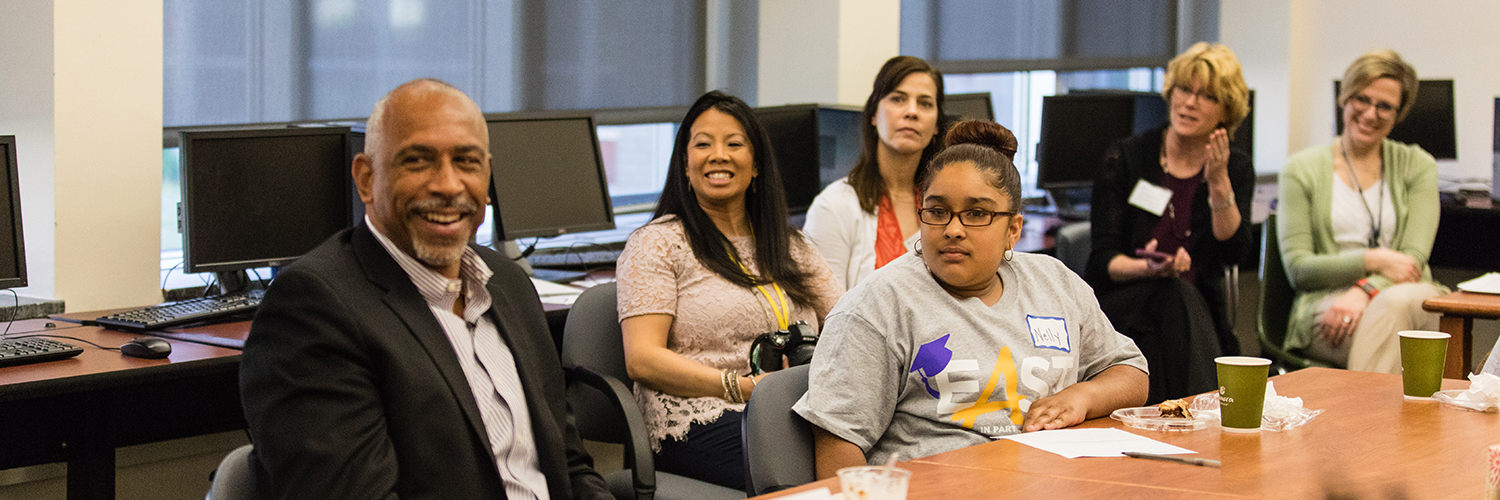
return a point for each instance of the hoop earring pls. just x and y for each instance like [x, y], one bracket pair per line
[916, 248]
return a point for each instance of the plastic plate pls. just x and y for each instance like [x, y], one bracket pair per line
[1449, 399]
[1149, 418]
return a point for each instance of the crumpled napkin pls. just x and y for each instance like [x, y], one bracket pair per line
[1483, 394]
[1278, 413]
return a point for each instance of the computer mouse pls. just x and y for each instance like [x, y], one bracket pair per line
[146, 347]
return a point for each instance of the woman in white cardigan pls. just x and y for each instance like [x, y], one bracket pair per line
[863, 221]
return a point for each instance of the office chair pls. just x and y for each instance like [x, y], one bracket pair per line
[1074, 242]
[779, 450]
[604, 409]
[1276, 297]
[232, 480]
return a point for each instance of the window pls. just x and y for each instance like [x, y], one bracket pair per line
[983, 36]
[1023, 51]
[273, 61]
[635, 162]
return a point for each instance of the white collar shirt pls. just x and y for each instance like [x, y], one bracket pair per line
[487, 363]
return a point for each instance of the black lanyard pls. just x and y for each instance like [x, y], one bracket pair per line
[1375, 221]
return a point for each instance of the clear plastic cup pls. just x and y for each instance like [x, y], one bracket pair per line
[872, 482]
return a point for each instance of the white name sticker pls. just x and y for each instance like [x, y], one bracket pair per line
[1150, 197]
[1049, 333]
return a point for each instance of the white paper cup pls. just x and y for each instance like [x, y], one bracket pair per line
[872, 482]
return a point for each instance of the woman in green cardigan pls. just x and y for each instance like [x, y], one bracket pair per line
[1357, 219]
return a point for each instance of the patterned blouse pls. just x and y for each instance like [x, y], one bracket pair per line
[714, 321]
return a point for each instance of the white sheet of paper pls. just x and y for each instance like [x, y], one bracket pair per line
[818, 494]
[1150, 197]
[1489, 283]
[1074, 443]
[556, 293]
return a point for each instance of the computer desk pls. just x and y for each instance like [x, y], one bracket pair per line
[79, 410]
[1459, 310]
[1368, 443]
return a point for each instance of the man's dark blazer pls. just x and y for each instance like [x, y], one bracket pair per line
[352, 390]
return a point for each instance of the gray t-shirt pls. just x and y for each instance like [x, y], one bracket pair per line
[902, 366]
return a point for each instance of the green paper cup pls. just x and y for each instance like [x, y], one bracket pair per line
[1242, 391]
[1422, 357]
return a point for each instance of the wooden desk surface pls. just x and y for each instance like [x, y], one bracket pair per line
[1476, 305]
[80, 410]
[96, 368]
[933, 480]
[1459, 310]
[1369, 443]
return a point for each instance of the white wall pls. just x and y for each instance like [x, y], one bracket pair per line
[82, 93]
[1259, 33]
[824, 51]
[1305, 45]
[107, 105]
[26, 112]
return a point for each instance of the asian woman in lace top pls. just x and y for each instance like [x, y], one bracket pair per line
[716, 267]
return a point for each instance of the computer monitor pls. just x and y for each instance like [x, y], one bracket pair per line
[1078, 128]
[12, 246]
[1244, 137]
[264, 197]
[977, 106]
[814, 146]
[1430, 123]
[547, 177]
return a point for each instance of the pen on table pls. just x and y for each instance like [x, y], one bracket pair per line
[1201, 462]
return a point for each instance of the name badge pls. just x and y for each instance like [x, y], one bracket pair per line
[1150, 197]
[1049, 333]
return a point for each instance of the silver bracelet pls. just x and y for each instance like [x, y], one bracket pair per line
[731, 382]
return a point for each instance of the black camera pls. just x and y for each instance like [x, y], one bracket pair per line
[796, 343]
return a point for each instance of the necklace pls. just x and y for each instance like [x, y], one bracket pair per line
[1375, 221]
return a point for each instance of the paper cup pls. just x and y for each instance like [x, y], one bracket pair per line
[1242, 391]
[874, 483]
[1492, 477]
[1422, 357]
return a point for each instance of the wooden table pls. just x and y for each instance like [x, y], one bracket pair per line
[79, 410]
[1369, 443]
[1459, 309]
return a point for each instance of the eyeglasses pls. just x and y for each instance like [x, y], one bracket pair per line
[1183, 92]
[969, 218]
[1361, 103]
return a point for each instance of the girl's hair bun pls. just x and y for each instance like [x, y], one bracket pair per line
[985, 134]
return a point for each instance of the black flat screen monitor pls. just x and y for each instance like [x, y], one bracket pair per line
[1430, 123]
[1077, 129]
[12, 246]
[977, 106]
[814, 146]
[547, 177]
[258, 198]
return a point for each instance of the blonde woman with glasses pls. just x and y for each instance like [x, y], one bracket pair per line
[1170, 208]
[1357, 219]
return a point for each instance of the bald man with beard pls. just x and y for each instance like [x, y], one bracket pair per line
[397, 360]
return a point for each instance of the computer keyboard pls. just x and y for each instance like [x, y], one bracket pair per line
[180, 313]
[22, 351]
[590, 257]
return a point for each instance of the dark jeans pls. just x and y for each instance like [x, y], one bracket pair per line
[1172, 325]
[712, 452]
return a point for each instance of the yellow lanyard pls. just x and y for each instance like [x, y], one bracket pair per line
[781, 310]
